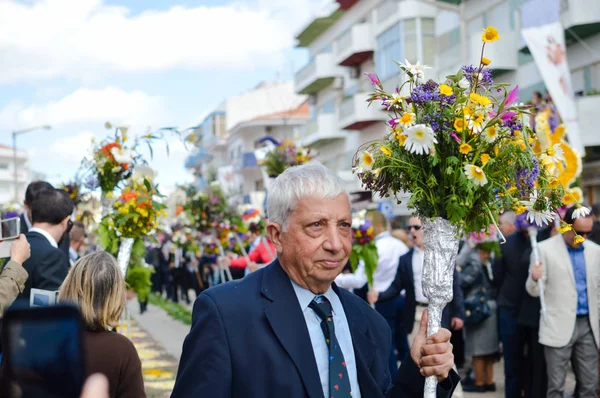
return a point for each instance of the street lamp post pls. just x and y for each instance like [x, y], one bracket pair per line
[14, 142]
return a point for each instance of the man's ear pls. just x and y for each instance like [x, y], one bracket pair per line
[274, 232]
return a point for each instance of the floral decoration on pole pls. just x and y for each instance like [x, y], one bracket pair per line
[363, 245]
[463, 149]
[284, 155]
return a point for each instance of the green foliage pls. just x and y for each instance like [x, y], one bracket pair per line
[175, 311]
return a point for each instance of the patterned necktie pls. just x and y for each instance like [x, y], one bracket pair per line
[339, 383]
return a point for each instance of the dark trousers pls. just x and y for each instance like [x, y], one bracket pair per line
[535, 378]
[388, 311]
[513, 351]
[180, 284]
[401, 338]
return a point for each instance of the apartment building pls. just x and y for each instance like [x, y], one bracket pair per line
[228, 141]
[7, 174]
[361, 36]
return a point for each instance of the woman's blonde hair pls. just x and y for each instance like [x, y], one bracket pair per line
[96, 285]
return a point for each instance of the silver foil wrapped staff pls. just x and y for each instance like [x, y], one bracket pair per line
[440, 241]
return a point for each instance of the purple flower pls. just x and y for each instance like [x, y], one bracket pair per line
[455, 137]
[374, 79]
[470, 73]
[526, 178]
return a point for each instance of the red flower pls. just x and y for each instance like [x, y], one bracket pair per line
[126, 196]
[107, 148]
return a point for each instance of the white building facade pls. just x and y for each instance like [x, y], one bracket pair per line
[370, 35]
[228, 140]
[7, 175]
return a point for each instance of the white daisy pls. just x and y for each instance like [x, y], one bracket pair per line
[420, 139]
[581, 211]
[540, 217]
[476, 174]
[490, 134]
[417, 70]
[477, 120]
[555, 154]
[464, 83]
[366, 161]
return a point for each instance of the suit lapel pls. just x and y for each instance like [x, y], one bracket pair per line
[364, 347]
[288, 323]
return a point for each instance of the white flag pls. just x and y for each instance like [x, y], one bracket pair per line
[547, 45]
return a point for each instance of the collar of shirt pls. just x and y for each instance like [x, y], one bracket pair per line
[27, 221]
[574, 250]
[305, 296]
[46, 235]
[418, 250]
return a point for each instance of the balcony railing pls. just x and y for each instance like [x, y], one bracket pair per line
[354, 46]
[318, 74]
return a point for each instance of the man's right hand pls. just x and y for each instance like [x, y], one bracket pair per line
[537, 271]
[373, 296]
[20, 250]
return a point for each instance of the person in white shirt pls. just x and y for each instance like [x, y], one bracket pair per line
[389, 251]
[78, 236]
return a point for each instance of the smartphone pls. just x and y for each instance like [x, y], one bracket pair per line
[43, 352]
[10, 228]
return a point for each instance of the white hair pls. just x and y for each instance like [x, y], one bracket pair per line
[295, 183]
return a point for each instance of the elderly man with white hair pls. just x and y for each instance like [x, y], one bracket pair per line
[287, 330]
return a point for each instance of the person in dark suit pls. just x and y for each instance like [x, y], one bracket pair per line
[34, 191]
[518, 315]
[408, 278]
[287, 330]
[51, 220]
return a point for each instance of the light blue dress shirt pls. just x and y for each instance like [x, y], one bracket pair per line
[579, 271]
[342, 333]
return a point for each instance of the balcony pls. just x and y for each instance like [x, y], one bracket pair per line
[355, 113]
[197, 159]
[581, 17]
[587, 108]
[355, 46]
[246, 162]
[316, 28]
[321, 131]
[317, 75]
[503, 53]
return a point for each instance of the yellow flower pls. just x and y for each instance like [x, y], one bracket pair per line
[468, 110]
[480, 99]
[459, 124]
[490, 34]
[109, 195]
[569, 198]
[407, 120]
[577, 194]
[465, 149]
[485, 158]
[564, 227]
[496, 149]
[485, 61]
[446, 90]
[520, 209]
[518, 133]
[554, 184]
[512, 190]
[386, 150]
[579, 239]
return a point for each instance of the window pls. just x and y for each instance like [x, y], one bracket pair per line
[259, 185]
[327, 107]
[499, 17]
[3, 166]
[428, 41]
[411, 45]
[389, 49]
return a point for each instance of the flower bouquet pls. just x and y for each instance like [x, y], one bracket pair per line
[363, 245]
[253, 220]
[207, 209]
[463, 149]
[74, 189]
[184, 238]
[285, 155]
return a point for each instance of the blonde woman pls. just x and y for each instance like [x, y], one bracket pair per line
[95, 284]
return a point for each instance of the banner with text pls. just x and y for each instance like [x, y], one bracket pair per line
[547, 45]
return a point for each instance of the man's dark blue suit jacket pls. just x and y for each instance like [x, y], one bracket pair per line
[249, 339]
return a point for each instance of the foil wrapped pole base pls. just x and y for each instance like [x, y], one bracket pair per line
[125, 254]
[105, 204]
[440, 241]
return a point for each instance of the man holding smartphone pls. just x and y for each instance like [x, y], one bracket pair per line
[13, 276]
